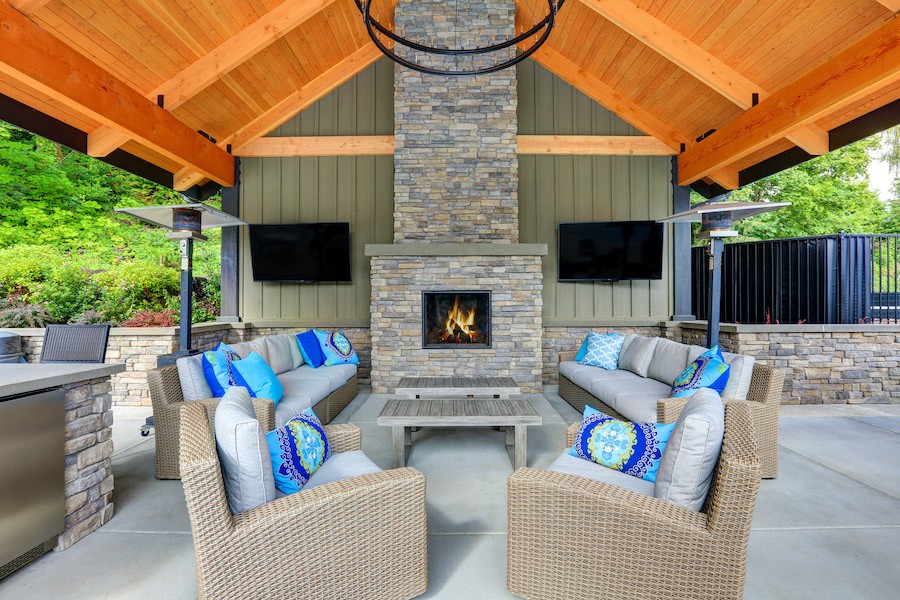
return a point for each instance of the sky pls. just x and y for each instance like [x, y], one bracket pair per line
[880, 179]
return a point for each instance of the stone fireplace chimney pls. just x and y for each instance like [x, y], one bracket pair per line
[456, 224]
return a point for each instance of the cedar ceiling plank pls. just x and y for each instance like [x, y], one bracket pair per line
[695, 60]
[236, 50]
[893, 5]
[600, 92]
[46, 64]
[28, 7]
[871, 63]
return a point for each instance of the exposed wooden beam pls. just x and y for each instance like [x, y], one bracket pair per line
[205, 71]
[45, 63]
[379, 145]
[28, 7]
[600, 92]
[867, 65]
[893, 5]
[698, 62]
[594, 145]
[329, 145]
[303, 98]
[726, 177]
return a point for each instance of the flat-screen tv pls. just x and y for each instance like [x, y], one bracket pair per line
[301, 252]
[610, 251]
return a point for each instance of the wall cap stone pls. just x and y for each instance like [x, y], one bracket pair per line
[18, 379]
[738, 328]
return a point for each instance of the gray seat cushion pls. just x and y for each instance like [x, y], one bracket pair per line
[190, 375]
[638, 408]
[341, 465]
[739, 376]
[337, 375]
[243, 452]
[634, 398]
[669, 360]
[636, 354]
[689, 460]
[585, 376]
[291, 405]
[566, 463]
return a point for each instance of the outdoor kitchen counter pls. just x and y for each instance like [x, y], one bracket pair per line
[56, 427]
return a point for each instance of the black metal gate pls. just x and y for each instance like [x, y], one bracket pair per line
[824, 279]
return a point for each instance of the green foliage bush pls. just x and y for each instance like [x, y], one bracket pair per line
[137, 286]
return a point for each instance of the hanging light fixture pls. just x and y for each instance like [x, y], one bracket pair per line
[378, 18]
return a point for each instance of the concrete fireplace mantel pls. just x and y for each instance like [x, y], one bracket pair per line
[425, 249]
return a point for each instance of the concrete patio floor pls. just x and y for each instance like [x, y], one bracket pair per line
[828, 527]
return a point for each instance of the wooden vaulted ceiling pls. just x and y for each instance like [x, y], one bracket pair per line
[725, 84]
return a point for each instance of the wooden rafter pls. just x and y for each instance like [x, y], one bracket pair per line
[205, 71]
[44, 63]
[869, 64]
[28, 7]
[698, 62]
[383, 145]
[303, 98]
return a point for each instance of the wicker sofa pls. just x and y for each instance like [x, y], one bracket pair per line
[637, 398]
[328, 390]
[576, 538]
[363, 537]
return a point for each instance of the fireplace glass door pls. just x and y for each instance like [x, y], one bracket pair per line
[457, 319]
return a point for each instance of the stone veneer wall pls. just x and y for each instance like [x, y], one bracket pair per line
[397, 285]
[88, 462]
[455, 159]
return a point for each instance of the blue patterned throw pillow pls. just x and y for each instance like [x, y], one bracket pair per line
[709, 370]
[336, 348]
[602, 350]
[217, 369]
[633, 448]
[298, 449]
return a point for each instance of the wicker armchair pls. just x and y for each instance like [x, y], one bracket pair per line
[571, 537]
[363, 537]
[763, 399]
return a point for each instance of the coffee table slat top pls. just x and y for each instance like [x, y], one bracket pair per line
[413, 387]
[435, 412]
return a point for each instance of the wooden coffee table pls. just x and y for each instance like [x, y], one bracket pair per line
[449, 387]
[515, 413]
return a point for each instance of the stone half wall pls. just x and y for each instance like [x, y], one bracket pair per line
[516, 304]
[455, 161]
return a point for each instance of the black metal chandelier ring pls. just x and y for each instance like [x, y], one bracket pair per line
[374, 27]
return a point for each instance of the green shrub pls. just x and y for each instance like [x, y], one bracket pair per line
[135, 286]
[23, 267]
[68, 293]
[22, 315]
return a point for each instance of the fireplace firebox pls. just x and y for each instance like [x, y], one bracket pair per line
[456, 319]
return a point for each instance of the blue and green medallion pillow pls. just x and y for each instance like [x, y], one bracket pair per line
[633, 448]
[602, 350]
[336, 348]
[310, 348]
[255, 374]
[217, 369]
[297, 448]
[709, 370]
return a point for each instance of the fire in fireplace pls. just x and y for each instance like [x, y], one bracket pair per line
[456, 319]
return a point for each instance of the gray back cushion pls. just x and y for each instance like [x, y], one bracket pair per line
[280, 357]
[739, 376]
[637, 352]
[243, 452]
[190, 375]
[689, 460]
[669, 360]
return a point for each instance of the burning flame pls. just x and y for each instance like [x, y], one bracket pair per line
[459, 320]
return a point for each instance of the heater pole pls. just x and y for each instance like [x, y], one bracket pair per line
[716, 247]
[187, 294]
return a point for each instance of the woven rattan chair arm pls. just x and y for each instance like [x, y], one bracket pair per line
[265, 413]
[571, 432]
[344, 437]
[566, 356]
[340, 504]
[668, 409]
[578, 502]
[165, 387]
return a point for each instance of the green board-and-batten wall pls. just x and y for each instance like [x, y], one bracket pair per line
[552, 189]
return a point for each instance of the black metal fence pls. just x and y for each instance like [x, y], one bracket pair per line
[824, 279]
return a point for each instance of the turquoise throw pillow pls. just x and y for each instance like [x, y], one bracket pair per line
[217, 369]
[298, 449]
[603, 350]
[633, 448]
[709, 370]
[583, 350]
[310, 348]
[257, 376]
[336, 348]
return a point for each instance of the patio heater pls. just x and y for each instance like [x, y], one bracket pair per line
[185, 223]
[716, 219]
